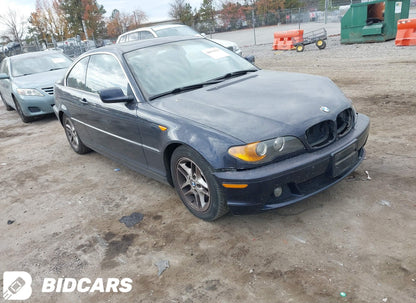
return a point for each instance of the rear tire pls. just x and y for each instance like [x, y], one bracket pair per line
[73, 138]
[196, 185]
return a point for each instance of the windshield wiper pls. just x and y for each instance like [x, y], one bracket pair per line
[235, 74]
[56, 68]
[200, 85]
[177, 90]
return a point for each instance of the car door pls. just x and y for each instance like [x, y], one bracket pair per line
[114, 127]
[72, 97]
[6, 84]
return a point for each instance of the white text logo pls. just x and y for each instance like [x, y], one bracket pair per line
[86, 285]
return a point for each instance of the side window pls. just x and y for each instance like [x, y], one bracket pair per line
[76, 77]
[133, 36]
[146, 35]
[104, 71]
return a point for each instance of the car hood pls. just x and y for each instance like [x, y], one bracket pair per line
[260, 105]
[228, 44]
[224, 43]
[39, 80]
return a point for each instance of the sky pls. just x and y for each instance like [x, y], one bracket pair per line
[156, 10]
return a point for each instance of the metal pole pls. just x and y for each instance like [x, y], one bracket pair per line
[37, 42]
[326, 11]
[254, 25]
[55, 45]
[85, 29]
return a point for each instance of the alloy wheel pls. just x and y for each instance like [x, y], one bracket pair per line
[193, 184]
[71, 134]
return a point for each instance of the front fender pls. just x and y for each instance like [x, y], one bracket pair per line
[210, 144]
[161, 133]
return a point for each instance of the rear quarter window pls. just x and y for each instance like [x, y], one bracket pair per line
[146, 35]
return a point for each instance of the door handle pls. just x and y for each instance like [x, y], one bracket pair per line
[84, 101]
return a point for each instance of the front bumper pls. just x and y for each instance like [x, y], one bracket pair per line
[35, 106]
[299, 177]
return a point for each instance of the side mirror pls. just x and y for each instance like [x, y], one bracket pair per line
[4, 76]
[250, 59]
[204, 35]
[114, 95]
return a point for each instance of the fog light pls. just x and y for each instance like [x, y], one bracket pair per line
[278, 191]
[34, 109]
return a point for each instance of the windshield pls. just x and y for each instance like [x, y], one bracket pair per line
[176, 31]
[38, 63]
[167, 67]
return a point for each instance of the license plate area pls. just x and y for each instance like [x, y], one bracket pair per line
[344, 160]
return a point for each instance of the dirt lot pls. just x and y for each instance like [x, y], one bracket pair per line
[357, 237]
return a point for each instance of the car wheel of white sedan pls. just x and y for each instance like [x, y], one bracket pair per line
[196, 186]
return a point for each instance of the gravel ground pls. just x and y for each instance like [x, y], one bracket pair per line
[357, 237]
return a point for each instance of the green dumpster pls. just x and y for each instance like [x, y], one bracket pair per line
[374, 21]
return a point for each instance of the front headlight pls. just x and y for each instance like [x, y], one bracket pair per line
[266, 151]
[28, 92]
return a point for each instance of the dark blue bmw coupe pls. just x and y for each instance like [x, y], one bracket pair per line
[225, 134]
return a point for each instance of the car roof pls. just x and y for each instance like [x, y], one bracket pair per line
[34, 54]
[126, 47]
[163, 26]
[154, 28]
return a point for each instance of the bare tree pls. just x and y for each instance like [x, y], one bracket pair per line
[181, 10]
[120, 22]
[138, 17]
[48, 19]
[177, 8]
[14, 25]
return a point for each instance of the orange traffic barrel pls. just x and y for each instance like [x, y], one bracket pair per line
[286, 40]
[406, 32]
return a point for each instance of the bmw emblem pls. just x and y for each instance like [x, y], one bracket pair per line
[325, 109]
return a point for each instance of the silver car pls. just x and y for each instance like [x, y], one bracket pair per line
[27, 80]
[168, 30]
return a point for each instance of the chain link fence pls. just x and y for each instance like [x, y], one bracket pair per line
[250, 17]
[70, 47]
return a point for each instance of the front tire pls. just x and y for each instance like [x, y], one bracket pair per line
[73, 138]
[196, 185]
[8, 107]
[300, 48]
[25, 119]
